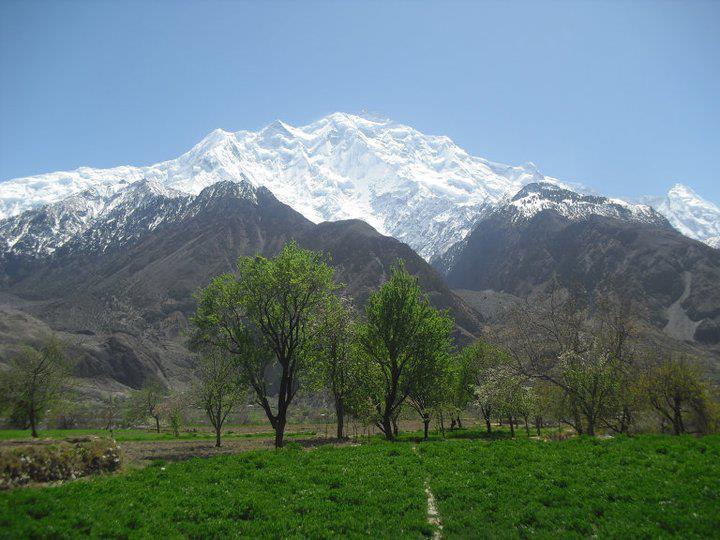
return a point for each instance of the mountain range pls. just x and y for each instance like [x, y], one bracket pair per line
[423, 190]
[110, 258]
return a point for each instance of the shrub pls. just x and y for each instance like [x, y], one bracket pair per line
[63, 460]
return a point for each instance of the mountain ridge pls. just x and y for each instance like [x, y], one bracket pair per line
[422, 189]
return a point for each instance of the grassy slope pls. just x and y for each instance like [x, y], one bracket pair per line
[648, 486]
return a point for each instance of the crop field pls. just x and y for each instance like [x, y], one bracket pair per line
[646, 486]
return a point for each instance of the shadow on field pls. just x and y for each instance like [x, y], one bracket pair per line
[140, 453]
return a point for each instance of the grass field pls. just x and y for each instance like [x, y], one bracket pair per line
[647, 486]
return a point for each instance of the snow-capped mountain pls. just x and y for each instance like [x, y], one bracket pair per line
[421, 189]
[690, 214]
[537, 197]
[532, 199]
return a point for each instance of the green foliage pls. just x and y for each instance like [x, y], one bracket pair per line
[216, 391]
[264, 314]
[34, 382]
[678, 393]
[334, 355]
[402, 336]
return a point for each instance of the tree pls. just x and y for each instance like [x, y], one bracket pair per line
[110, 411]
[147, 402]
[431, 381]
[34, 381]
[481, 363]
[262, 316]
[217, 391]
[401, 332]
[591, 382]
[676, 390]
[334, 354]
[173, 408]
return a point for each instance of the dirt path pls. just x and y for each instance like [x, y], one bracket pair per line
[433, 516]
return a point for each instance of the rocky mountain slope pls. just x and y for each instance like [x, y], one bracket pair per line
[121, 290]
[545, 233]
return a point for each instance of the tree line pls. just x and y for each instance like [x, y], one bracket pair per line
[276, 326]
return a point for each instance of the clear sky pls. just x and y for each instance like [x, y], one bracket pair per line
[622, 96]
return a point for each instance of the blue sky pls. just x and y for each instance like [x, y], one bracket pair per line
[622, 96]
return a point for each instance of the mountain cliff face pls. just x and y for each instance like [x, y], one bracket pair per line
[122, 290]
[545, 234]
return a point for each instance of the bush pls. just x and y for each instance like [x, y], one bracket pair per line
[63, 460]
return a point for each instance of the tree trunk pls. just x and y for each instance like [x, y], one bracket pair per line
[527, 426]
[591, 427]
[33, 426]
[459, 422]
[280, 428]
[677, 422]
[217, 436]
[157, 423]
[340, 416]
[387, 427]
[426, 426]
[488, 426]
[442, 424]
[512, 427]
[395, 426]
[538, 424]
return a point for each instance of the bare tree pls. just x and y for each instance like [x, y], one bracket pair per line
[147, 402]
[111, 411]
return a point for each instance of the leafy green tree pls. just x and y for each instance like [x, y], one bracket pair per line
[263, 316]
[677, 390]
[431, 383]
[402, 331]
[216, 390]
[334, 353]
[34, 382]
[591, 382]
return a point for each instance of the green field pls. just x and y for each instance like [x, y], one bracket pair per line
[646, 486]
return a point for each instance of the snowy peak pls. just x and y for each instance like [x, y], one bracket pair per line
[422, 189]
[691, 214]
[535, 198]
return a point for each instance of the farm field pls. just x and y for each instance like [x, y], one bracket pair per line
[646, 486]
